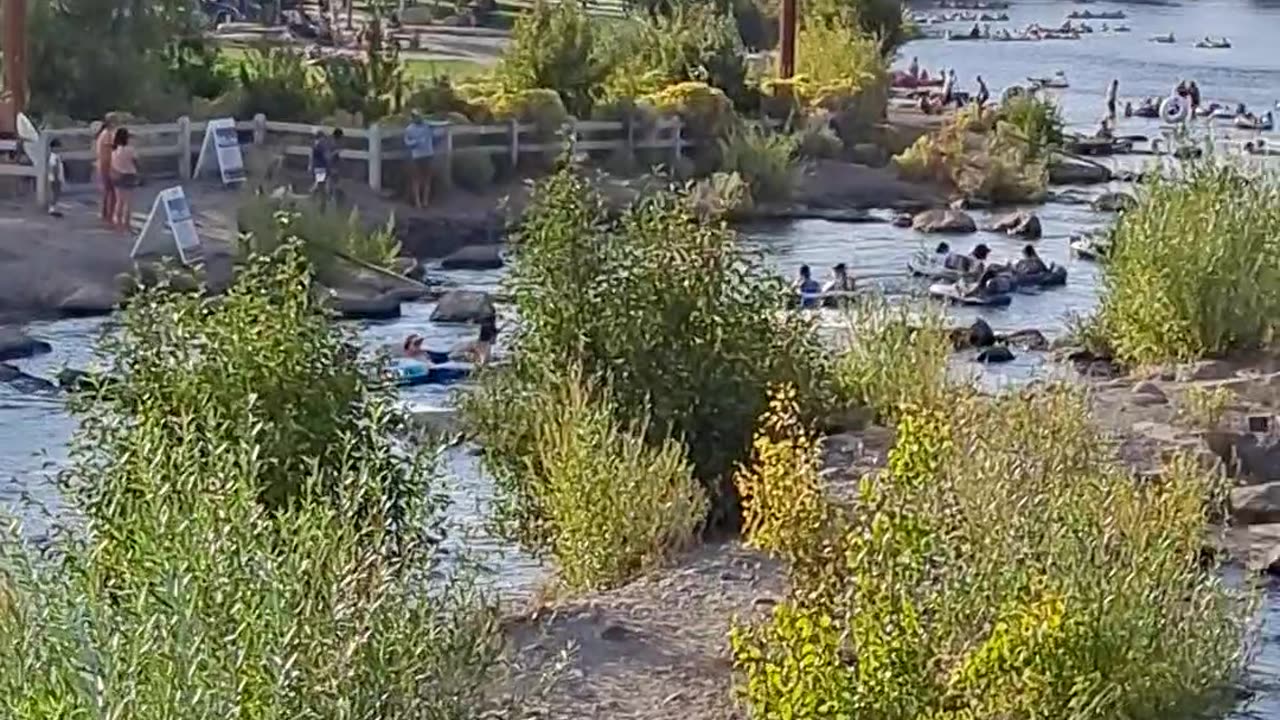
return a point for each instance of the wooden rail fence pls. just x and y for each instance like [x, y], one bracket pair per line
[375, 146]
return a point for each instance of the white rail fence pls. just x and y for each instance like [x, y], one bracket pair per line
[375, 146]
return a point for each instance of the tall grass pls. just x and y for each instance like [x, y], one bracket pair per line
[1194, 269]
[1001, 566]
[766, 160]
[249, 542]
[267, 222]
[1034, 119]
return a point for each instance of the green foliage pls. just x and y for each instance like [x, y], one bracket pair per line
[275, 81]
[1204, 407]
[704, 110]
[555, 45]
[766, 160]
[248, 540]
[267, 223]
[195, 64]
[1194, 270]
[474, 171]
[439, 97]
[613, 504]
[1003, 565]
[670, 312]
[371, 85]
[979, 156]
[879, 20]
[1036, 120]
[892, 358]
[720, 196]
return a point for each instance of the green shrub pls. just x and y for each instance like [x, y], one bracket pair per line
[1194, 270]
[892, 357]
[277, 83]
[1003, 565]
[721, 196]
[671, 313]
[1036, 120]
[474, 171]
[705, 111]
[1204, 407]
[555, 46]
[266, 223]
[247, 541]
[614, 504]
[766, 160]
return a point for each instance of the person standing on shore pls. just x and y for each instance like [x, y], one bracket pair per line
[1193, 94]
[948, 87]
[102, 146]
[124, 176]
[983, 93]
[1113, 90]
[419, 137]
[914, 69]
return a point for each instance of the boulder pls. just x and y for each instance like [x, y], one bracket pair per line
[996, 354]
[23, 382]
[1077, 173]
[15, 345]
[869, 154]
[944, 221]
[1030, 339]
[384, 306]
[902, 220]
[1205, 370]
[1252, 458]
[437, 236]
[980, 334]
[1256, 504]
[1149, 393]
[464, 306]
[1257, 546]
[474, 257]
[1113, 202]
[410, 268]
[1019, 224]
[90, 301]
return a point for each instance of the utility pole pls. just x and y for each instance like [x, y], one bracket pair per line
[13, 14]
[787, 40]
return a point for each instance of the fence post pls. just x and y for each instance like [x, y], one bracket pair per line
[515, 143]
[41, 161]
[631, 133]
[184, 147]
[259, 129]
[448, 156]
[675, 144]
[570, 133]
[375, 157]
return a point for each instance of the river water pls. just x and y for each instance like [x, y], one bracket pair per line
[37, 427]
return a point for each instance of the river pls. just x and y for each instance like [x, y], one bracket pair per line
[37, 427]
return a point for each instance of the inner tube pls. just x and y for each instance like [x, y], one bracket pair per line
[1174, 109]
[1055, 276]
[926, 267]
[407, 373]
[948, 292]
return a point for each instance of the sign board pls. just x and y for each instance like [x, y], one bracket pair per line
[221, 141]
[178, 222]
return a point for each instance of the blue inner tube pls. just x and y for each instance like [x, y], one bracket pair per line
[407, 373]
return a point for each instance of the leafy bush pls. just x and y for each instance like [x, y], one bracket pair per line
[705, 110]
[195, 65]
[720, 196]
[267, 223]
[978, 157]
[473, 171]
[693, 351]
[276, 82]
[1036, 120]
[371, 85]
[1204, 407]
[248, 540]
[1090, 600]
[767, 161]
[438, 97]
[539, 106]
[892, 358]
[555, 46]
[613, 504]
[1194, 270]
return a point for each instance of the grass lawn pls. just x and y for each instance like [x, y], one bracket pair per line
[416, 69]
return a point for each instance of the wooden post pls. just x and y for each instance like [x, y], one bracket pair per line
[448, 156]
[184, 148]
[570, 133]
[375, 157]
[259, 129]
[515, 143]
[631, 132]
[676, 142]
[40, 157]
[787, 40]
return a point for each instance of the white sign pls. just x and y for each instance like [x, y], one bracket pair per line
[179, 223]
[222, 140]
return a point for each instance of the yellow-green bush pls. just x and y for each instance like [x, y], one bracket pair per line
[1204, 407]
[976, 155]
[705, 110]
[1194, 269]
[720, 196]
[540, 106]
[892, 357]
[766, 160]
[614, 504]
[1003, 565]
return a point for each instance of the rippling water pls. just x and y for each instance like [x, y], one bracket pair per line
[36, 428]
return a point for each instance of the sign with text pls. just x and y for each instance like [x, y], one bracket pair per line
[222, 142]
[180, 224]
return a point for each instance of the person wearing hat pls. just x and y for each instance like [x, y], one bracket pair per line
[419, 138]
[476, 351]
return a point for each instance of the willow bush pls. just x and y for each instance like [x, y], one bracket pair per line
[1195, 268]
[671, 313]
[247, 539]
[1002, 565]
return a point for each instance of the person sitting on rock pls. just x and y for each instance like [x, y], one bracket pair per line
[1030, 264]
[807, 288]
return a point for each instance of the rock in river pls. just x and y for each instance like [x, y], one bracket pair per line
[15, 344]
[1020, 224]
[1113, 202]
[384, 306]
[14, 377]
[474, 257]
[1256, 504]
[944, 221]
[464, 306]
[90, 301]
[1077, 173]
[996, 354]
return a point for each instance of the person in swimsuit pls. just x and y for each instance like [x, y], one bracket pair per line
[124, 176]
[807, 288]
[102, 153]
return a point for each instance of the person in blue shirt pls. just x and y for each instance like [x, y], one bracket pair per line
[419, 138]
[807, 288]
